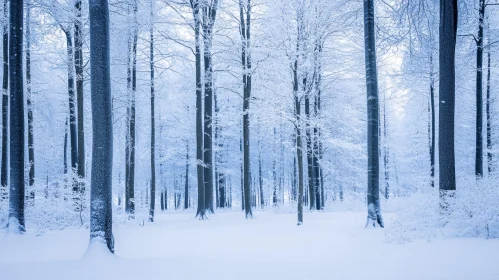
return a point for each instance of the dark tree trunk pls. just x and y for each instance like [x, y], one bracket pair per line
[299, 157]
[31, 147]
[479, 93]
[153, 126]
[386, 151]
[162, 201]
[186, 189]
[72, 119]
[447, 73]
[209, 12]
[319, 193]
[17, 123]
[242, 171]
[245, 29]
[130, 180]
[66, 147]
[102, 127]
[260, 172]
[489, 124]
[297, 100]
[308, 136]
[432, 113]
[274, 176]
[219, 176]
[373, 204]
[5, 102]
[195, 5]
[78, 61]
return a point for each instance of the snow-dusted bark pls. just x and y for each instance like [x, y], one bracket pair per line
[102, 126]
[447, 89]
[209, 14]
[245, 29]
[153, 125]
[78, 62]
[131, 118]
[373, 205]
[17, 122]
[29, 103]
[5, 102]
[195, 5]
[479, 92]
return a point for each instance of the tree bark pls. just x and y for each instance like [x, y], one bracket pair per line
[5, 103]
[72, 119]
[130, 181]
[195, 5]
[17, 123]
[209, 12]
[29, 101]
[186, 189]
[448, 29]
[432, 112]
[479, 93]
[245, 29]
[489, 123]
[153, 126]
[385, 151]
[78, 62]
[102, 126]
[373, 203]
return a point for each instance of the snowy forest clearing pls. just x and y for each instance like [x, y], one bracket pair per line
[270, 246]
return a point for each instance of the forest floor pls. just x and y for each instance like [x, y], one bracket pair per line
[270, 246]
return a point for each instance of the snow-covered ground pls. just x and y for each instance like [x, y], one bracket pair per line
[227, 246]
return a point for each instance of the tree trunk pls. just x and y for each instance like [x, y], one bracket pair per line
[489, 124]
[385, 151]
[448, 28]
[373, 204]
[102, 127]
[186, 189]
[447, 73]
[17, 123]
[432, 111]
[308, 136]
[199, 112]
[479, 93]
[260, 173]
[31, 147]
[299, 159]
[78, 62]
[319, 193]
[66, 147]
[242, 171]
[72, 121]
[245, 25]
[130, 181]
[153, 126]
[5, 103]
[209, 16]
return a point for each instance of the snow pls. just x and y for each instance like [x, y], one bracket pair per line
[332, 245]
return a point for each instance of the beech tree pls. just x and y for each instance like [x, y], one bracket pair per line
[29, 103]
[209, 15]
[5, 101]
[153, 129]
[101, 227]
[79, 70]
[130, 115]
[373, 204]
[17, 122]
[447, 91]
[245, 29]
